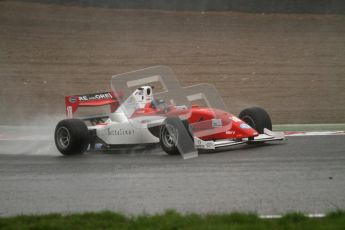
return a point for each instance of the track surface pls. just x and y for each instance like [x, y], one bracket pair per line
[303, 174]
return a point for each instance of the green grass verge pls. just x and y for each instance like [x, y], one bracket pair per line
[172, 220]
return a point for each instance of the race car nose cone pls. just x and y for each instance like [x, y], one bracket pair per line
[244, 130]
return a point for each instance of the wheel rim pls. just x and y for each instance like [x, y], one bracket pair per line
[63, 137]
[169, 136]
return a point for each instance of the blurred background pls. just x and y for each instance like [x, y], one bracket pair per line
[286, 56]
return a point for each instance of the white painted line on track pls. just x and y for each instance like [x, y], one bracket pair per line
[309, 127]
[313, 133]
[314, 215]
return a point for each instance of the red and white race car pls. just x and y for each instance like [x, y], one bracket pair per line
[143, 117]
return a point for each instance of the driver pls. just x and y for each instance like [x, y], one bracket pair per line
[159, 104]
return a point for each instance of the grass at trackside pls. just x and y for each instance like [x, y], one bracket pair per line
[172, 220]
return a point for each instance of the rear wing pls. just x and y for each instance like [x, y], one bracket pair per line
[90, 100]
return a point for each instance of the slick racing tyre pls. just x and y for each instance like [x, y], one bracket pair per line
[174, 132]
[71, 137]
[257, 118]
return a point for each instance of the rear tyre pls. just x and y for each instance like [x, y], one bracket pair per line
[71, 137]
[257, 118]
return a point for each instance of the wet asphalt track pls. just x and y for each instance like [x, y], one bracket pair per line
[303, 174]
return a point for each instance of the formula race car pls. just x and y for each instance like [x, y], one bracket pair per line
[144, 117]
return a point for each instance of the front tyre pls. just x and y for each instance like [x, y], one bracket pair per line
[71, 137]
[169, 137]
[257, 118]
[174, 133]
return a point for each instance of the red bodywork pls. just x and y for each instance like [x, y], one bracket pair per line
[199, 118]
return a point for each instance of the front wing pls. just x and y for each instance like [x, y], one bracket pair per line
[265, 137]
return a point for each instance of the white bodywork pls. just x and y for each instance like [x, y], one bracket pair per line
[119, 129]
[124, 133]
